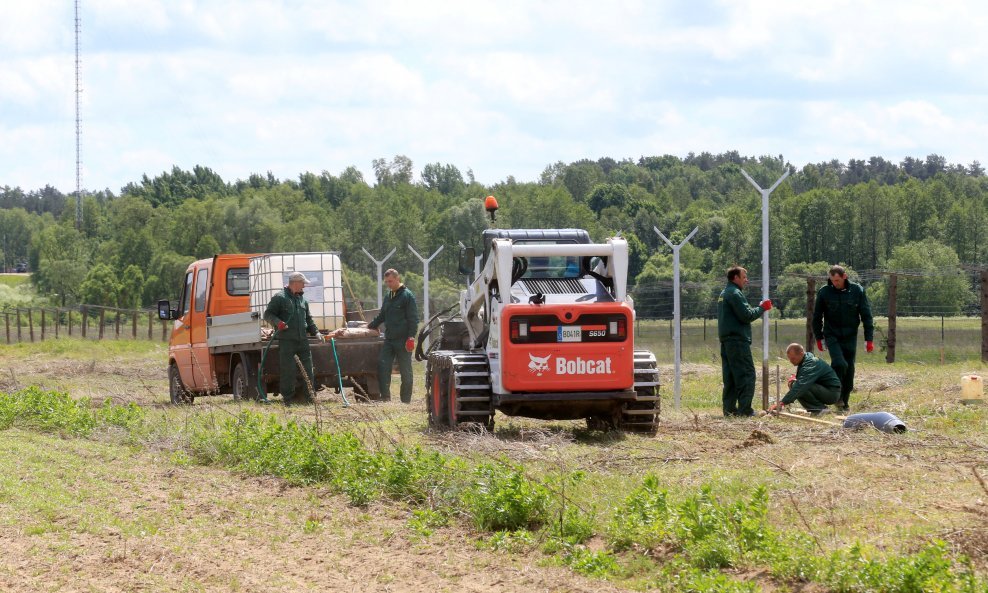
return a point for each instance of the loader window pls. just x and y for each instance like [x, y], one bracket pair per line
[559, 266]
[237, 282]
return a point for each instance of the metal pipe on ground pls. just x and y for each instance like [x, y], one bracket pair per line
[883, 421]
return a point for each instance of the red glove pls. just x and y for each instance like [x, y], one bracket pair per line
[870, 346]
[282, 326]
[766, 304]
[792, 379]
[410, 344]
[819, 346]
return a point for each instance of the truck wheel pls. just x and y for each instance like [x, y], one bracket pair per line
[176, 391]
[240, 384]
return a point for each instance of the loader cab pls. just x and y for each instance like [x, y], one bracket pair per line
[541, 267]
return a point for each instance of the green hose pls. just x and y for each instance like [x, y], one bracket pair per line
[339, 373]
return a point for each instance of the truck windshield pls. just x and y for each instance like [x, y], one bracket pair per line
[560, 266]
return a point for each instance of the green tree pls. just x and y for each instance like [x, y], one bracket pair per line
[941, 289]
[100, 287]
[131, 287]
[445, 179]
[59, 256]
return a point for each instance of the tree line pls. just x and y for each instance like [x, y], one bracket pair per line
[132, 248]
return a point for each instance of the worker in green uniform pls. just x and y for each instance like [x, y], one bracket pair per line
[400, 317]
[815, 385]
[840, 307]
[288, 313]
[734, 317]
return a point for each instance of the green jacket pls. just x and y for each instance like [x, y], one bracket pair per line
[811, 370]
[294, 311]
[734, 315]
[837, 313]
[399, 313]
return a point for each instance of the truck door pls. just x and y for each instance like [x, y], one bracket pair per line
[202, 369]
[180, 344]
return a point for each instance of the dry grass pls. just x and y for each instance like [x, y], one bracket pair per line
[841, 486]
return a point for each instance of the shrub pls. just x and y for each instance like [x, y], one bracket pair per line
[501, 498]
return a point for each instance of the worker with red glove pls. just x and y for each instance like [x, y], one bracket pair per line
[288, 313]
[840, 307]
[734, 317]
[400, 316]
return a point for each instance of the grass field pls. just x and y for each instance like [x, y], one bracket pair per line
[241, 497]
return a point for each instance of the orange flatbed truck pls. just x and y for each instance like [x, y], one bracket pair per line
[218, 344]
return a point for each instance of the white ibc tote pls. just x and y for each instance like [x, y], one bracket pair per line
[324, 291]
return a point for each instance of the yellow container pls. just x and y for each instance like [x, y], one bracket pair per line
[972, 387]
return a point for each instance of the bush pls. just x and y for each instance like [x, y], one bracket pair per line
[501, 498]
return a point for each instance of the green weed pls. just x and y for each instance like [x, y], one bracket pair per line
[424, 521]
[502, 498]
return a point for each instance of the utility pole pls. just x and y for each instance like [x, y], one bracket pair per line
[380, 274]
[766, 275]
[78, 125]
[676, 315]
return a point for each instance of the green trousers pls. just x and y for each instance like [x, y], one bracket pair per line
[818, 397]
[291, 385]
[842, 353]
[391, 350]
[738, 372]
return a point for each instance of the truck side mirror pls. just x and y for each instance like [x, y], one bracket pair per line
[467, 257]
[165, 311]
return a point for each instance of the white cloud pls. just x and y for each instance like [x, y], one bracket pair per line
[503, 87]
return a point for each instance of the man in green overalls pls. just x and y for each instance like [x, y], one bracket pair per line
[400, 316]
[840, 307]
[288, 312]
[815, 385]
[734, 318]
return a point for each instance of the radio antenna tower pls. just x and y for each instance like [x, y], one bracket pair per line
[78, 126]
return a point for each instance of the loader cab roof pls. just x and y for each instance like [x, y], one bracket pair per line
[533, 236]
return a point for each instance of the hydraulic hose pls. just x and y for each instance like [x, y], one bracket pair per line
[339, 373]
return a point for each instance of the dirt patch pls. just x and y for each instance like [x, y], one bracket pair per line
[757, 438]
[216, 531]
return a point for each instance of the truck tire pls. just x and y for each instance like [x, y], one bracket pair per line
[176, 390]
[240, 384]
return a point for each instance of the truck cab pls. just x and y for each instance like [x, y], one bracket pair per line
[191, 367]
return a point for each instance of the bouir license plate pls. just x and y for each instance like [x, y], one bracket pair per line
[569, 333]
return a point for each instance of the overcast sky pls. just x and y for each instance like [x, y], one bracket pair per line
[501, 88]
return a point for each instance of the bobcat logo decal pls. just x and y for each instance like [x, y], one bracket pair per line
[538, 365]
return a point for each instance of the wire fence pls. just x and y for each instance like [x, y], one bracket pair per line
[927, 340]
[927, 328]
[930, 293]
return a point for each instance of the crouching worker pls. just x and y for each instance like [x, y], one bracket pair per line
[815, 385]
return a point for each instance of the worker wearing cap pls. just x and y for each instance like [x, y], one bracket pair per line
[734, 317]
[840, 307]
[400, 317]
[815, 385]
[288, 313]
